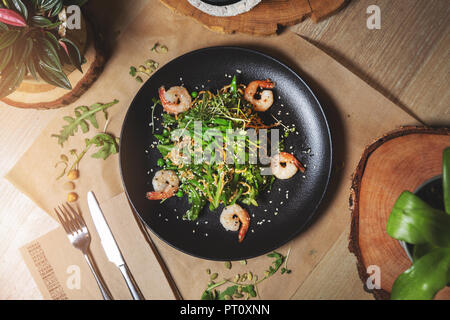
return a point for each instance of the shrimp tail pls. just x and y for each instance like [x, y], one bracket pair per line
[299, 165]
[162, 95]
[244, 228]
[155, 195]
[266, 84]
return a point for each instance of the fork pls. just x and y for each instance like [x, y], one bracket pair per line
[80, 238]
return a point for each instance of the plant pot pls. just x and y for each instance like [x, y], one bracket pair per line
[431, 192]
[38, 94]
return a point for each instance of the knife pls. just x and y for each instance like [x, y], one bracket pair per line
[110, 246]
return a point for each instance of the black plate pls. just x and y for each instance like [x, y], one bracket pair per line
[206, 238]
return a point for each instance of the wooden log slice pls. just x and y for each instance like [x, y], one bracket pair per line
[401, 160]
[38, 94]
[264, 19]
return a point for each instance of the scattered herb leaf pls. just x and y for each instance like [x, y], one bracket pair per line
[83, 115]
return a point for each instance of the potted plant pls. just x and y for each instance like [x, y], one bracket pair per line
[37, 42]
[425, 229]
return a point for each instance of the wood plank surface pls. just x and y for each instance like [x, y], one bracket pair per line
[407, 60]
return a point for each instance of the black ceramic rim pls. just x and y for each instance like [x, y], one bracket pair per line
[175, 234]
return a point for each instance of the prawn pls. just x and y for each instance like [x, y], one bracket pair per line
[165, 183]
[234, 215]
[284, 165]
[175, 100]
[255, 94]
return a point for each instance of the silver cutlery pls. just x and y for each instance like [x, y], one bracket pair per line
[80, 238]
[110, 246]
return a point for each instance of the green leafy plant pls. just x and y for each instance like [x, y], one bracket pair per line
[83, 115]
[414, 221]
[33, 41]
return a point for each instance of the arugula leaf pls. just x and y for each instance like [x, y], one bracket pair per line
[414, 221]
[425, 278]
[279, 258]
[107, 143]
[83, 115]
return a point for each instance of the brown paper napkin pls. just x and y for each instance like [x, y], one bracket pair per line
[357, 114]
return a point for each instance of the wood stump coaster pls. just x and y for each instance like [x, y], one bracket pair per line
[401, 160]
[41, 95]
[264, 19]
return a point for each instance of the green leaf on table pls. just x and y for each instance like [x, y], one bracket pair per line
[107, 143]
[279, 259]
[414, 221]
[425, 278]
[83, 115]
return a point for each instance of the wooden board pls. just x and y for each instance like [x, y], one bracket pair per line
[38, 94]
[408, 65]
[267, 18]
[401, 160]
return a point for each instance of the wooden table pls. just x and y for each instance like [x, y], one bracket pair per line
[407, 60]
